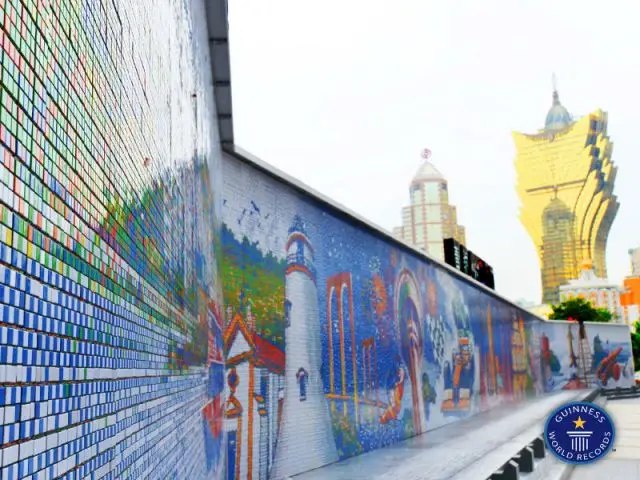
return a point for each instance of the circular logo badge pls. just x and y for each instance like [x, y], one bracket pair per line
[579, 433]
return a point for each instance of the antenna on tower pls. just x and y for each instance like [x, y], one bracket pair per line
[556, 97]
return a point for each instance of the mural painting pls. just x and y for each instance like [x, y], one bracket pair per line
[594, 355]
[338, 342]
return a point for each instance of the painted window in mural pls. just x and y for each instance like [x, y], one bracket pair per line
[302, 375]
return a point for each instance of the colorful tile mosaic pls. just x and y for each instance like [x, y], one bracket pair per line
[339, 341]
[115, 345]
[110, 333]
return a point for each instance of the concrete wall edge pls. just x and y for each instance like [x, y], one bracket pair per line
[218, 37]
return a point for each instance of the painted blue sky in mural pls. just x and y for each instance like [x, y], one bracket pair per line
[254, 216]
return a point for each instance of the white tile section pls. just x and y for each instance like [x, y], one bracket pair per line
[461, 450]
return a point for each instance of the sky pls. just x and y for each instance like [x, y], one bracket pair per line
[344, 96]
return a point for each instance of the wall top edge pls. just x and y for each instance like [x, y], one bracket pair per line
[218, 29]
[589, 323]
[341, 210]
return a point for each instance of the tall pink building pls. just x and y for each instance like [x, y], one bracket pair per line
[430, 218]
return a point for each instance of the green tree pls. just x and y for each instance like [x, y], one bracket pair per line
[635, 346]
[579, 309]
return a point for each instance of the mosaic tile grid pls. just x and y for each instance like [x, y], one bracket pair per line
[339, 342]
[110, 337]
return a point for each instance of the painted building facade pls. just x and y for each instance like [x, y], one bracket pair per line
[599, 291]
[430, 218]
[253, 406]
[565, 181]
[595, 355]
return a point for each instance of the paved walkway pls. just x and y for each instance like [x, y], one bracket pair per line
[468, 449]
[624, 461]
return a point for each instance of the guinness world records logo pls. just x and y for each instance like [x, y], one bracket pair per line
[579, 433]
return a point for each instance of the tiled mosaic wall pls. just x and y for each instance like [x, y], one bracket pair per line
[338, 342]
[110, 335]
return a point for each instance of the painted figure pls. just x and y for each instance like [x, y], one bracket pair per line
[519, 358]
[581, 361]
[546, 357]
[459, 373]
[396, 392]
[302, 376]
[609, 368]
[458, 379]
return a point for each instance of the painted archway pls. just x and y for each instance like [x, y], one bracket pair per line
[408, 311]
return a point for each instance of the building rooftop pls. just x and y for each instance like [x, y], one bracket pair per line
[217, 23]
[588, 279]
[427, 173]
[558, 116]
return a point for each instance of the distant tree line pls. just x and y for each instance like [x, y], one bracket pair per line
[580, 310]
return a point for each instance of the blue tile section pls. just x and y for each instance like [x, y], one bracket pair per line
[110, 334]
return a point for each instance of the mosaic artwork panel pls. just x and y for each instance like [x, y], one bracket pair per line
[110, 324]
[338, 341]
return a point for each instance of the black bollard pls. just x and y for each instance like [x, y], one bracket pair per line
[538, 448]
[509, 471]
[525, 461]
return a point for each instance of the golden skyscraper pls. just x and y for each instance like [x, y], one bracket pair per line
[565, 184]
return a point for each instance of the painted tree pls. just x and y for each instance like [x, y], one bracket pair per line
[579, 309]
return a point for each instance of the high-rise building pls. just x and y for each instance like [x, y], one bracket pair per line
[565, 184]
[430, 218]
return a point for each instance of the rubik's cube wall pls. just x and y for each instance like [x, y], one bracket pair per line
[109, 326]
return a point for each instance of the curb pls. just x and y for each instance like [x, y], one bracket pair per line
[524, 461]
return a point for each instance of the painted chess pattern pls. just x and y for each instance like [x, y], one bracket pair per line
[110, 327]
[338, 342]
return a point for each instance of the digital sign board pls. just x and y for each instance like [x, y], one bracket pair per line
[467, 262]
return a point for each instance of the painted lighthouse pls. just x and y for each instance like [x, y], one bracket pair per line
[305, 440]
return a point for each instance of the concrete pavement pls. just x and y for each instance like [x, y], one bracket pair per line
[468, 449]
[624, 461]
